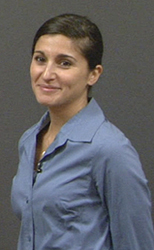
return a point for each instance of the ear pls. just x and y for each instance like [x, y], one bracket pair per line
[95, 74]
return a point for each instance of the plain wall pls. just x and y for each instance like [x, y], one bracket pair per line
[125, 90]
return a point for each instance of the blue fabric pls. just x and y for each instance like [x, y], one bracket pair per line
[92, 193]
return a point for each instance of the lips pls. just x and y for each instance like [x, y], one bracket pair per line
[48, 88]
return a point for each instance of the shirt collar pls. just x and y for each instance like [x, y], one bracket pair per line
[82, 126]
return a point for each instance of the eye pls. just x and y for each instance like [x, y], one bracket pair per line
[65, 63]
[39, 59]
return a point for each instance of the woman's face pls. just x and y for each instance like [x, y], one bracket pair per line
[60, 75]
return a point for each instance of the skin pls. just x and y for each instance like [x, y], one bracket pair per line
[60, 78]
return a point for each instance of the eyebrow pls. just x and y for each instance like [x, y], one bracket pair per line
[39, 51]
[66, 56]
[59, 56]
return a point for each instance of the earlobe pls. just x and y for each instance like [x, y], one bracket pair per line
[95, 74]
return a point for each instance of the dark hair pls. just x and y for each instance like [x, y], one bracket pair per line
[81, 30]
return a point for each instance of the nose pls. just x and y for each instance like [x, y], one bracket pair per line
[49, 72]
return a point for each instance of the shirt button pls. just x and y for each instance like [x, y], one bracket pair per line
[39, 165]
[39, 170]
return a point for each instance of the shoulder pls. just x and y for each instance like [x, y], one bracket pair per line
[111, 140]
[114, 154]
[116, 166]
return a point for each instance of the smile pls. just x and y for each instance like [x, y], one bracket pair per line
[48, 88]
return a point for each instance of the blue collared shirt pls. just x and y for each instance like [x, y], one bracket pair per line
[92, 193]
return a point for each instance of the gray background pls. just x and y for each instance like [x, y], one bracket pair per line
[125, 91]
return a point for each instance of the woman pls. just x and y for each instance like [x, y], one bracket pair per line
[80, 184]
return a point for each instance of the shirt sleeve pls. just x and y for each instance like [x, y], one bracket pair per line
[122, 184]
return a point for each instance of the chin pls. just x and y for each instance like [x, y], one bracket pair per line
[46, 102]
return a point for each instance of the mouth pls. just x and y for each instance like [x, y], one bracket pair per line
[48, 88]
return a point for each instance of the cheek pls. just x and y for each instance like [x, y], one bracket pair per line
[74, 81]
[34, 73]
[72, 78]
[65, 78]
[31, 71]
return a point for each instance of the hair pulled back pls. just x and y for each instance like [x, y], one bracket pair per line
[81, 30]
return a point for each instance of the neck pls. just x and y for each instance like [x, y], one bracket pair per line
[60, 115]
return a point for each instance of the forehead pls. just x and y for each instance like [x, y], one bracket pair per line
[57, 42]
